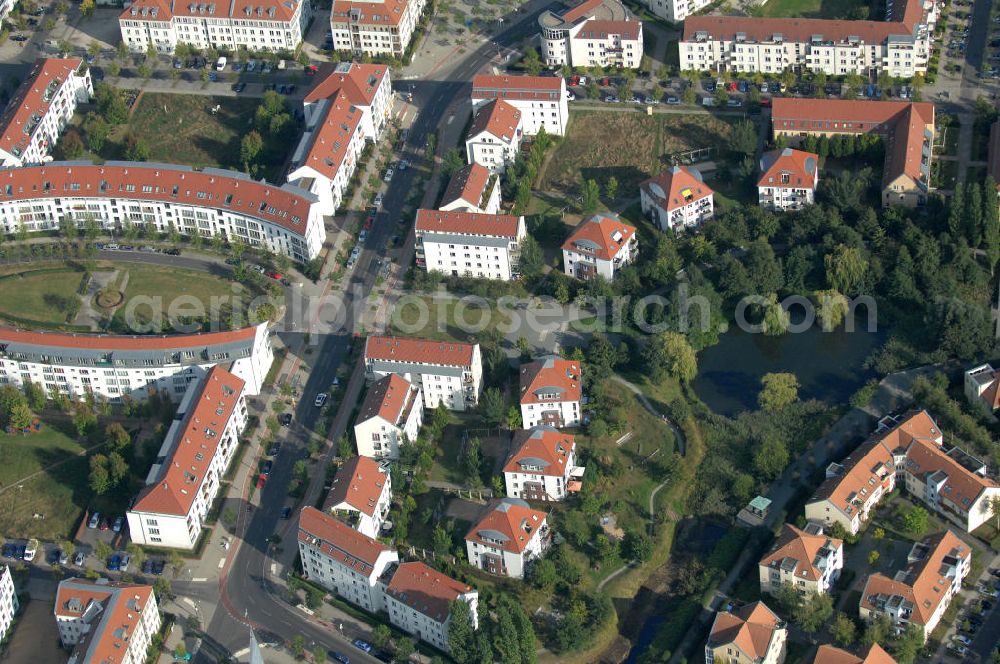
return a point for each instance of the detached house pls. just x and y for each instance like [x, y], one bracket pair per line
[543, 465]
[508, 538]
[788, 179]
[445, 372]
[807, 560]
[981, 384]
[472, 189]
[919, 594]
[677, 199]
[391, 416]
[827, 654]
[495, 136]
[418, 600]
[601, 245]
[362, 494]
[751, 634]
[551, 392]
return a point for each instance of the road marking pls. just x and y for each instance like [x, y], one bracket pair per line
[200, 579]
[222, 561]
[451, 118]
[240, 653]
[188, 601]
[274, 568]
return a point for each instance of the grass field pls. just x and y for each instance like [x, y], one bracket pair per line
[170, 283]
[632, 147]
[34, 294]
[811, 8]
[438, 318]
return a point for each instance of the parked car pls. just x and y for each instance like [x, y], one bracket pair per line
[95, 520]
[261, 480]
[334, 655]
[9, 550]
[30, 549]
[173, 251]
[286, 512]
[362, 645]
[117, 525]
[320, 399]
[274, 449]
[673, 101]
[125, 561]
[79, 558]
[363, 235]
[159, 564]
[114, 563]
[104, 524]
[388, 175]
[265, 468]
[239, 87]
[963, 639]
[61, 557]
[379, 197]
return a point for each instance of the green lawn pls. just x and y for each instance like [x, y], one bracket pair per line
[445, 317]
[812, 8]
[35, 293]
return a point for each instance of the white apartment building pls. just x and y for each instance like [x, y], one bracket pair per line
[6, 7]
[39, 110]
[594, 33]
[115, 366]
[472, 189]
[677, 199]
[8, 601]
[807, 560]
[487, 246]
[257, 25]
[551, 392]
[106, 622]
[374, 27]
[391, 416]
[184, 481]
[347, 109]
[981, 385]
[543, 465]
[342, 560]
[788, 179]
[361, 495]
[599, 246]
[418, 600]
[494, 138]
[920, 593]
[508, 538]
[899, 46]
[162, 197]
[542, 100]
[445, 372]
[750, 634]
[675, 10]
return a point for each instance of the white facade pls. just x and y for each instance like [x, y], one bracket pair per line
[543, 465]
[8, 601]
[115, 366]
[270, 26]
[362, 492]
[595, 33]
[390, 417]
[469, 244]
[542, 100]
[106, 622]
[541, 414]
[162, 197]
[41, 108]
[6, 7]
[675, 10]
[170, 511]
[494, 139]
[981, 386]
[446, 372]
[599, 246]
[508, 539]
[551, 391]
[418, 600]
[677, 199]
[807, 560]
[373, 27]
[491, 204]
[788, 180]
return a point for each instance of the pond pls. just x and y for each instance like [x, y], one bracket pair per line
[829, 365]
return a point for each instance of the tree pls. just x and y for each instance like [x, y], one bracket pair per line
[771, 459]
[298, 646]
[452, 161]
[102, 550]
[831, 309]
[472, 461]
[843, 630]
[404, 648]
[814, 611]
[909, 644]
[100, 479]
[637, 546]
[117, 467]
[916, 521]
[461, 635]
[744, 137]
[20, 416]
[319, 655]
[778, 390]
[994, 505]
[991, 225]
[70, 146]
[532, 260]
[35, 394]
[543, 574]
[136, 148]
[846, 269]
[670, 354]
[381, 636]
[611, 188]
[116, 437]
[531, 62]
[84, 420]
[590, 197]
[873, 557]
[251, 147]
[493, 406]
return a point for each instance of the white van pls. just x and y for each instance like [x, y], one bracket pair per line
[220, 64]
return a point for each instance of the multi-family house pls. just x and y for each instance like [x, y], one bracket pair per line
[982, 385]
[788, 179]
[343, 560]
[103, 622]
[41, 108]
[750, 634]
[361, 494]
[542, 465]
[391, 416]
[184, 481]
[418, 599]
[594, 33]
[486, 246]
[874, 654]
[472, 189]
[542, 100]
[8, 601]
[6, 7]
[677, 199]
[445, 371]
[675, 10]
[508, 538]
[374, 27]
[599, 246]
[920, 593]
[347, 109]
[494, 138]
[907, 128]
[806, 560]
[551, 393]
[256, 25]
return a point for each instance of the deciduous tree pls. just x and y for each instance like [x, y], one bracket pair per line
[778, 390]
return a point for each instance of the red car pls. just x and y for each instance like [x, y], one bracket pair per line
[275, 275]
[369, 222]
[261, 480]
[311, 70]
[732, 86]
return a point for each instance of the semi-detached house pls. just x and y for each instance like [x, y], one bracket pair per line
[418, 600]
[551, 393]
[361, 495]
[806, 560]
[788, 179]
[468, 244]
[184, 481]
[828, 654]
[542, 100]
[390, 417]
[445, 372]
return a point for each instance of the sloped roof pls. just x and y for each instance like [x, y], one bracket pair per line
[510, 521]
[551, 375]
[828, 654]
[113, 611]
[750, 628]
[369, 12]
[258, 10]
[358, 483]
[799, 552]
[544, 447]
[390, 398]
[521, 88]
[498, 118]
[419, 351]
[602, 236]
[425, 590]
[339, 541]
[926, 460]
[676, 187]
[358, 81]
[802, 169]
[332, 135]
[468, 223]
[31, 101]
[603, 29]
[467, 184]
[112, 342]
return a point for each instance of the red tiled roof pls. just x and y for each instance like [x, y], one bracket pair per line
[111, 342]
[468, 223]
[751, 628]
[29, 100]
[259, 10]
[339, 541]
[547, 445]
[802, 547]
[541, 376]
[425, 590]
[925, 458]
[799, 29]
[148, 10]
[359, 483]
[827, 654]
[680, 185]
[582, 10]
[199, 438]
[467, 184]
[498, 118]
[419, 351]
[386, 12]
[602, 29]
[801, 167]
[513, 520]
[389, 398]
[524, 88]
[603, 236]
[360, 82]
[235, 192]
[333, 136]
[122, 605]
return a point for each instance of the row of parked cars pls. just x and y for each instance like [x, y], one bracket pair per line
[103, 522]
[971, 621]
[147, 248]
